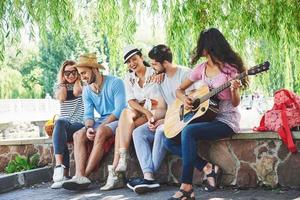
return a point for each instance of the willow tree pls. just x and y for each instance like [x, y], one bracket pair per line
[259, 29]
[15, 15]
[113, 26]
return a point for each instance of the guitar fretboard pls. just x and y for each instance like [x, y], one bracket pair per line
[219, 89]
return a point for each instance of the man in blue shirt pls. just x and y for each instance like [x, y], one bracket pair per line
[106, 95]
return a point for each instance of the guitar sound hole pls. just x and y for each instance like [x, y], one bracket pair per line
[203, 109]
[196, 104]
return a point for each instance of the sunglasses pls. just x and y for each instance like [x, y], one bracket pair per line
[68, 73]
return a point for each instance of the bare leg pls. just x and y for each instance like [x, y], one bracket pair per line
[187, 188]
[80, 151]
[58, 159]
[113, 179]
[148, 176]
[126, 126]
[207, 170]
[66, 172]
[102, 134]
[140, 121]
[117, 146]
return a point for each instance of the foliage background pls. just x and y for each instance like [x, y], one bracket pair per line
[61, 29]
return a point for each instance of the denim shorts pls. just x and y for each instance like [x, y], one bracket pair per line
[112, 125]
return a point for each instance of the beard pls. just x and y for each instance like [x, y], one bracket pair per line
[162, 70]
[92, 79]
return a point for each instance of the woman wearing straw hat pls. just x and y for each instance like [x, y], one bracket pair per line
[143, 97]
[68, 92]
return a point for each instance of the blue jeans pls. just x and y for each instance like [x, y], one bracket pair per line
[188, 148]
[144, 139]
[63, 133]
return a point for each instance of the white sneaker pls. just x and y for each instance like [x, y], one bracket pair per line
[58, 174]
[76, 183]
[58, 185]
[122, 165]
[113, 180]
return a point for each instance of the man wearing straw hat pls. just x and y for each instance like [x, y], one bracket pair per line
[106, 95]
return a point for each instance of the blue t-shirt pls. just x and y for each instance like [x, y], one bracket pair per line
[110, 100]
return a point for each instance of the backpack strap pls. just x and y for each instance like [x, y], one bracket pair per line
[285, 132]
[291, 96]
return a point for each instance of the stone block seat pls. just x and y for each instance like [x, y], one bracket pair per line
[248, 159]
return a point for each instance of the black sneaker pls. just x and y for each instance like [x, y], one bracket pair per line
[146, 186]
[131, 183]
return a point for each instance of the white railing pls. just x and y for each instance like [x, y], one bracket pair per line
[12, 110]
[37, 111]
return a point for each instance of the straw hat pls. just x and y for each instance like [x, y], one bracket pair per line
[129, 51]
[89, 60]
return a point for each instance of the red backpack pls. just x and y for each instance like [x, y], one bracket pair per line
[284, 116]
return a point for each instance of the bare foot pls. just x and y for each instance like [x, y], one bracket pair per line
[211, 172]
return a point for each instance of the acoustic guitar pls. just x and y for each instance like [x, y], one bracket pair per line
[204, 107]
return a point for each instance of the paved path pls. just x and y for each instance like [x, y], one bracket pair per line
[44, 192]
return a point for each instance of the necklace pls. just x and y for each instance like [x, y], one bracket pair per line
[97, 86]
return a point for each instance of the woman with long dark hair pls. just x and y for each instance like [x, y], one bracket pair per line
[222, 65]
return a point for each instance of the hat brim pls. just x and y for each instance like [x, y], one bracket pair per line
[132, 54]
[93, 65]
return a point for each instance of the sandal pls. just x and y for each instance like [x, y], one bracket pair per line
[215, 175]
[185, 195]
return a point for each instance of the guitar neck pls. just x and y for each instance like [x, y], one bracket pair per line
[221, 88]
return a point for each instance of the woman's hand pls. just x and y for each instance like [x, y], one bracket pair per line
[235, 85]
[188, 102]
[235, 92]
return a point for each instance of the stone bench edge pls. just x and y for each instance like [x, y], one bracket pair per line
[244, 135]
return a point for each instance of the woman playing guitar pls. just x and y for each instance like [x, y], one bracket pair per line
[222, 64]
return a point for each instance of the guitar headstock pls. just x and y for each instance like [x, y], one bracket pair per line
[259, 68]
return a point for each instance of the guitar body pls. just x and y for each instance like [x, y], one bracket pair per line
[177, 117]
[204, 107]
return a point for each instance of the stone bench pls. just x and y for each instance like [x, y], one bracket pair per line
[248, 160]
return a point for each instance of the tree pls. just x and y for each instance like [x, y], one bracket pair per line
[258, 30]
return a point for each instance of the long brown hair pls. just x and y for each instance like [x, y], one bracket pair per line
[214, 42]
[60, 75]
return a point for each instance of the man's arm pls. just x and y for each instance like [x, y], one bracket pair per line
[118, 90]
[89, 123]
[88, 108]
[159, 115]
[161, 109]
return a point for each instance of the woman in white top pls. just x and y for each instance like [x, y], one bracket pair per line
[144, 98]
